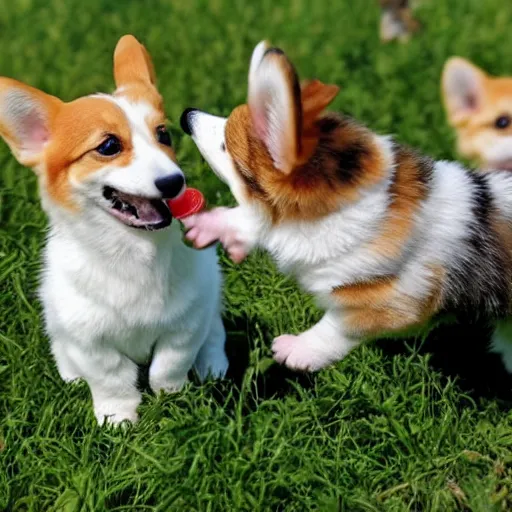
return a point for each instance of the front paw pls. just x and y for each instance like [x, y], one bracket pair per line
[297, 353]
[209, 227]
[116, 412]
[203, 229]
[167, 385]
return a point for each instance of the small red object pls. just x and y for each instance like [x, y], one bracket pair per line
[190, 202]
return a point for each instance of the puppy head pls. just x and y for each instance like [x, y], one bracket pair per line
[101, 158]
[264, 149]
[479, 108]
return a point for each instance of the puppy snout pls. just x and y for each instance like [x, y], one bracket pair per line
[170, 186]
[186, 120]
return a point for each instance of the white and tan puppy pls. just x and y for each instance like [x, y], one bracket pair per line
[385, 239]
[119, 287]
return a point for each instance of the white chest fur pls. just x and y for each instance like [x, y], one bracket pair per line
[124, 290]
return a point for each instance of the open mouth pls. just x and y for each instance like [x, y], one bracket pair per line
[136, 211]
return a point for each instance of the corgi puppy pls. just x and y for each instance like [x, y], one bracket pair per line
[479, 107]
[383, 237]
[397, 20]
[119, 286]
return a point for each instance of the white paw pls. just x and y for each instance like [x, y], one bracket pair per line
[215, 366]
[205, 228]
[167, 385]
[299, 353]
[113, 413]
[71, 379]
[209, 227]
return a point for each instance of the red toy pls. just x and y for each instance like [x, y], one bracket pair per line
[190, 202]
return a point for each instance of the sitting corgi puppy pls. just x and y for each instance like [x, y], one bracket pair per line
[119, 286]
[383, 237]
[479, 108]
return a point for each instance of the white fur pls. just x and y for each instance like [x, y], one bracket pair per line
[115, 297]
[335, 250]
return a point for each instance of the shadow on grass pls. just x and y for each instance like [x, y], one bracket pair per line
[458, 351]
[461, 351]
[276, 380]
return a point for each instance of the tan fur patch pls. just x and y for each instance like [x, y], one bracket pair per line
[140, 92]
[408, 189]
[346, 161]
[78, 128]
[377, 306]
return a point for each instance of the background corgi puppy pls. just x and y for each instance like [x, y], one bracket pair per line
[119, 287]
[397, 20]
[383, 237]
[479, 108]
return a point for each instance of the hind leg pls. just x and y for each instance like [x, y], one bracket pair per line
[502, 342]
[211, 359]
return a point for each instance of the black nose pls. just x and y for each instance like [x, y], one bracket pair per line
[186, 118]
[170, 186]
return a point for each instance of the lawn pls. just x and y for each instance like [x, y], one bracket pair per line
[394, 427]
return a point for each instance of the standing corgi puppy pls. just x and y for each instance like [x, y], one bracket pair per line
[119, 287]
[384, 238]
[479, 108]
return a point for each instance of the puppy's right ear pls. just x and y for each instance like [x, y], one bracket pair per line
[26, 117]
[463, 89]
[132, 63]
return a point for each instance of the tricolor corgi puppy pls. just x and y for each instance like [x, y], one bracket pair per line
[479, 108]
[119, 286]
[384, 238]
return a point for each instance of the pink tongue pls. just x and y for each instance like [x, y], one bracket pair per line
[190, 202]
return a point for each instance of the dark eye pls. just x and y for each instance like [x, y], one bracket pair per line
[223, 147]
[502, 122]
[110, 146]
[163, 136]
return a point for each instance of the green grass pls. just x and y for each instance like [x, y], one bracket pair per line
[386, 429]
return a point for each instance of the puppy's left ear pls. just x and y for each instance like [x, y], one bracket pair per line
[132, 63]
[275, 105]
[463, 87]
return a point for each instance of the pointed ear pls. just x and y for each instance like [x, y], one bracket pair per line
[315, 97]
[256, 58]
[463, 89]
[25, 119]
[132, 63]
[274, 103]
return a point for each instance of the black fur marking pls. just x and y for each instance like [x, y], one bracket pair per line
[350, 162]
[478, 283]
[424, 164]
[328, 124]
[274, 50]
[426, 168]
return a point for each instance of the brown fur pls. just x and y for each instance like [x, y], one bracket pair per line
[408, 189]
[378, 305]
[344, 162]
